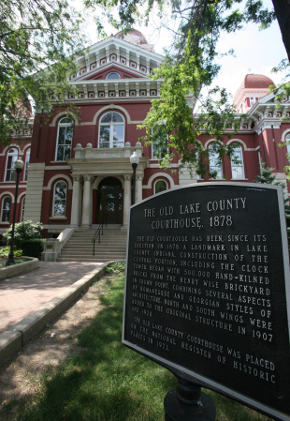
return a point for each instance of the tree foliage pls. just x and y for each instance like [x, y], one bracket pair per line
[38, 43]
[190, 66]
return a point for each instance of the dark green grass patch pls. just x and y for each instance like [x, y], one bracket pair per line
[110, 382]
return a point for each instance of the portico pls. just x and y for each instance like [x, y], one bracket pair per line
[102, 183]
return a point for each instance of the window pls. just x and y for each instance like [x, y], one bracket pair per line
[113, 75]
[215, 166]
[22, 209]
[159, 186]
[59, 199]
[27, 159]
[159, 149]
[237, 164]
[64, 139]
[287, 140]
[111, 132]
[6, 206]
[10, 164]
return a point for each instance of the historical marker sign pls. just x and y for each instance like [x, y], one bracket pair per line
[207, 289]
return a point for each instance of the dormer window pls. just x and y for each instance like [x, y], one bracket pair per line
[113, 75]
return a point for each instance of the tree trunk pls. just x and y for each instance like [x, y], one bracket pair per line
[282, 10]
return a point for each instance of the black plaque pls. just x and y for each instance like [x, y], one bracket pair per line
[207, 289]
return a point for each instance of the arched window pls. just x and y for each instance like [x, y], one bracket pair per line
[27, 159]
[113, 75]
[159, 186]
[287, 140]
[215, 166]
[5, 211]
[111, 131]
[10, 164]
[59, 199]
[237, 163]
[64, 139]
[22, 209]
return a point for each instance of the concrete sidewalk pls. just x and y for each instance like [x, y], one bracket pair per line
[29, 301]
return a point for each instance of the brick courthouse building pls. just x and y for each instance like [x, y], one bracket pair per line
[78, 170]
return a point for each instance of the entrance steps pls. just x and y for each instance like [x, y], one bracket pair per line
[80, 247]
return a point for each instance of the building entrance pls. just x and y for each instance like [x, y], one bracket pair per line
[110, 201]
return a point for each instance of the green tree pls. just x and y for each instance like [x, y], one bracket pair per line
[39, 40]
[191, 66]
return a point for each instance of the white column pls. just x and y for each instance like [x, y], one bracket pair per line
[75, 206]
[138, 188]
[127, 198]
[86, 202]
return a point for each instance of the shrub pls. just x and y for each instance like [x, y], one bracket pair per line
[32, 248]
[116, 267]
[4, 251]
[26, 230]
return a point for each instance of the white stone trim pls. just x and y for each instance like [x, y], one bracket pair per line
[64, 114]
[7, 193]
[57, 167]
[20, 196]
[284, 134]
[111, 108]
[156, 176]
[58, 177]
[12, 145]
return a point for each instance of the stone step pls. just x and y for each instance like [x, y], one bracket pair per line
[80, 246]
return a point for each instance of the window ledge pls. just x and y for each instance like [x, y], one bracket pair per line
[239, 179]
[57, 217]
[57, 162]
[4, 223]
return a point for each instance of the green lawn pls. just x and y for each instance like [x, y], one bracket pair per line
[109, 382]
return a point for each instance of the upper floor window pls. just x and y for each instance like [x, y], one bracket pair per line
[237, 163]
[59, 199]
[64, 139]
[287, 140]
[111, 131]
[113, 75]
[27, 159]
[10, 164]
[5, 211]
[159, 149]
[159, 186]
[22, 209]
[215, 165]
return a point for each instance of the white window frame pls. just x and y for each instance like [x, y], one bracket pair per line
[61, 145]
[214, 157]
[54, 199]
[240, 165]
[156, 181]
[2, 209]
[11, 170]
[111, 124]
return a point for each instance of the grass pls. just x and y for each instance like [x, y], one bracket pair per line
[110, 382]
